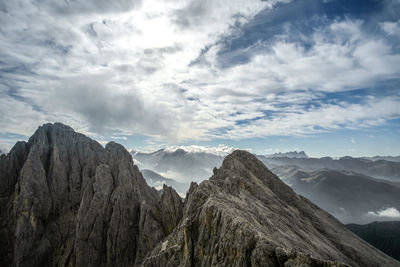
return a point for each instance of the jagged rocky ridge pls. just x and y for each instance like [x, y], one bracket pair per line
[245, 216]
[67, 201]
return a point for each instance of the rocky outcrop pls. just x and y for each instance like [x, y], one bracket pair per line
[169, 209]
[67, 201]
[245, 216]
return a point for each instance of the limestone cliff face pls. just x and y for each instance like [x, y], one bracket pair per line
[245, 216]
[68, 201]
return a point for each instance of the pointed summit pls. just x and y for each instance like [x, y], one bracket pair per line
[243, 170]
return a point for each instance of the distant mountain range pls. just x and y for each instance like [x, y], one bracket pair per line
[388, 158]
[157, 181]
[180, 165]
[196, 166]
[381, 169]
[350, 197]
[293, 154]
[382, 235]
[349, 188]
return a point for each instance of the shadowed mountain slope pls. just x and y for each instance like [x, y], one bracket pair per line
[382, 235]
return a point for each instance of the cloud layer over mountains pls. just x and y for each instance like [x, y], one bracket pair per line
[189, 70]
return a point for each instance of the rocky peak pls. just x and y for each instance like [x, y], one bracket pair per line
[239, 162]
[242, 170]
[117, 152]
[76, 203]
[49, 131]
[293, 154]
[171, 208]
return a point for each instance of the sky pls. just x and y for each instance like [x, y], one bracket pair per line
[270, 76]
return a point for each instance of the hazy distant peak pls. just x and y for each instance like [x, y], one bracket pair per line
[291, 154]
[220, 150]
[388, 158]
[347, 157]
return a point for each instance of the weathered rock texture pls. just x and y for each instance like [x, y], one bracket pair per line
[245, 216]
[67, 201]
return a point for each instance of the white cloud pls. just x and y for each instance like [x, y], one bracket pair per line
[298, 121]
[340, 58]
[221, 149]
[113, 69]
[390, 213]
[391, 28]
[128, 70]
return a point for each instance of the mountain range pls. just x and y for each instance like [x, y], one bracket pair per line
[350, 197]
[180, 165]
[352, 189]
[194, 166]
[382, 169]
[293, 154]
[68, 201]
[388, 158]
[157, 181]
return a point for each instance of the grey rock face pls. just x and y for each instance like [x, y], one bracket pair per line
[10, 167]
[170, 209]
[245, 216]
[67, 201]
